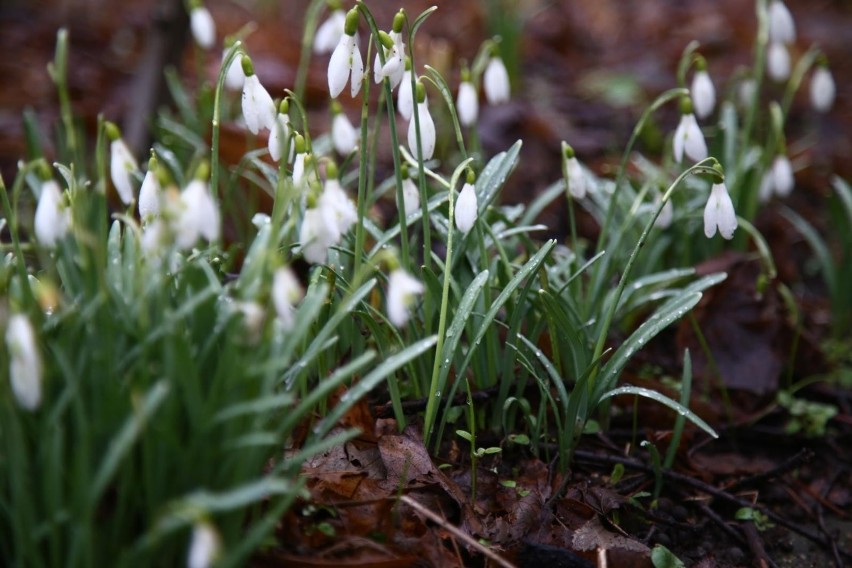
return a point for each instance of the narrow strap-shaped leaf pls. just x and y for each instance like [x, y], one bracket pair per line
[664, 400]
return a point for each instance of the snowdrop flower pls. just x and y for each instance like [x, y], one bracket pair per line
[52, 216]
[122, 164]
[702, 91]
[778, 62]
[258, 106]
[199, 214]
[405, 96]
[394, 51]
[782, 29]
[149, 194]
[280, 133]
[719, 213]
[25, 372]
[329, 32]
[346, 62]
[234, 76]
[427, 127]
[325, 224]
[253, 316]
[343, 134]
[299, 160]
[466, 209]
[573, 172]
[822, 87]
[496, 81]
[205, 546]
[779, 179]
[688, 138]
[402, 290]
[467, 102]
[410, 196]
[202, 25]
[745, 91]
[315, 236]
[286, 292]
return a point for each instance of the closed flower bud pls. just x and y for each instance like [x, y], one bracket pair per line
[467, 104]
[778, 62]
[782, 29]
[405, 96]
[122, 165]
[343, 134]
[286, 292]
[402, 292]
[496, 81]
[52, 217]
[427, 132]
[689, 140]
[258, 107]
[25, 370]
[782, 176]
[822, 89]
[329, 32]
[719, 213]
[466, 209]
[149, 193]
[577, 183]
[202, 25]
[410, 197]
[703, 94]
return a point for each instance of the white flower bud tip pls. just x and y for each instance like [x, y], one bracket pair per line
[466, 209]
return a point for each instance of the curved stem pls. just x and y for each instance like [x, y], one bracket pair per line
[220, 85]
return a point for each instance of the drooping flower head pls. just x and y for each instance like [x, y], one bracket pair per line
[467, 102]
[25, 370]
[467, 208]
[279, 135]
[410, 194]
[405, 96]
[328, 217]
[202, 25]
[702, 91]
[719, 213]
[52, 215]
[496, 80]
[122, 164]
[782, 28]
[329, 32]
[343, 134]
[427, 126]
[150, 192]
[778, 62]
[574, 176]
[403, 289]
[234, 76]
[822, 86]
[300, 147]
[346, 63]
[286, 293]
[688, 138]
[259, 109]
[199, 214]
[394, 52]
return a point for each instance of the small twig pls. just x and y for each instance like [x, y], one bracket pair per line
[455, 531]
[720, 522]
[755, 543]
[803, 456]
[835, 553]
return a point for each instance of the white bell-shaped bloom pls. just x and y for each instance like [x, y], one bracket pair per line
[286, 292]
[337, 208]
[52, 217]
[234, 77]
[205, 546]
[778, 62]
[345, 64]
[122, 166]
[343, 134]
[782, 29]
[822, 89]
[149, 196]
[258, 107]
[577, 183]
[316, 236]
[405, 96]
[410, 197]
[466, 209]
[25, 370]
[278, 137]
[202, 26]
[402, 292]
[688, 139]
[394, 67]
[719, 213]
[703, 94]
[467, 104]
[782, 176]
[329, 32]
[496, 81]
[199, 216]
[427, 132]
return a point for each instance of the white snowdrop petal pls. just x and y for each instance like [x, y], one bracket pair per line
[693, 144]
[121, 167]
[467, 104]
[405, 97]
[25, 367]
[203, 27]
[664, 219]
[338, 66]
[286, 291]
[576, 178]
[778, 62]
[343, 135]
[782, 28]
[52, 218]
[149, 196]
[719, 213]
[496, 82]
[329, 32]
[466, 209]
[314, 237]
[204, 547]
[703, 94]
[357, 69]
[427, 132]
[782, 176]
[402, 289]
[822, 90]
[234, 77]
[258, 106]
[410, 197]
